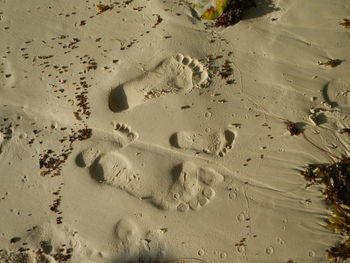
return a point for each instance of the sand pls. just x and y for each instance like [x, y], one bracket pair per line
[142, 134]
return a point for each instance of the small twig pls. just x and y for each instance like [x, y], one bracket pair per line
[318, 147]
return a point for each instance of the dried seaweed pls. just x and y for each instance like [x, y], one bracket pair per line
[293, 128]
[103, 8]
[331, 63]
[345, 130]
[233, 12]
[335, 178]
[345, 23]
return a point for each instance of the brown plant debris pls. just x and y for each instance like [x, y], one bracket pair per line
[345, 130]
[293, 128]
[63, 254]
[226, 70]
[92, 65]
[159, 20]
[234, 11]
[345, 23]
[55, 204]
[51, 162]
[103, 8]
[331, 63]
[335, 178]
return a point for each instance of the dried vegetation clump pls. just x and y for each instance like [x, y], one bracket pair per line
[335, 178]
[331, 63]
[345, 23]
[233, 12]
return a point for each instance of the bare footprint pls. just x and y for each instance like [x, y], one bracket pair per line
[192, 188]
[114, 169]
[337, 93]
[128, 237]
[135, 246]
[332, 113]
[216, 143]
[172, 75]
[187, 186]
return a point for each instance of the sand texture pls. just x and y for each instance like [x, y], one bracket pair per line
[132, 131]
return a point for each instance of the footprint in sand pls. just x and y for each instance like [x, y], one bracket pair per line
[134, 245]
[333, 111]
[216, 143]
[172, 75]
[187, 186]
[337, 93]
[123, 136]
[192, 188]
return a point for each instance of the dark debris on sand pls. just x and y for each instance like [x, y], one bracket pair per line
[335, 178]
[233, 13]
[345, 23]
[293, 128]
[331, 63]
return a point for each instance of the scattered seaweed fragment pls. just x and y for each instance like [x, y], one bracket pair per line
[159, 20]
[331, 63]
[345, 23]
[293, 128]
[226, 70]
[233, 12]
[103, 8]
[63, 254]
[335, 178]
[345, 130]
[51, 162]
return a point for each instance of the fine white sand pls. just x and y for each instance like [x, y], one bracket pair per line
[189, 155]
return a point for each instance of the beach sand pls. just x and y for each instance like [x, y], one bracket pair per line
[139, 133]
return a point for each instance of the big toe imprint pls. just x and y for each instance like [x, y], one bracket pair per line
[172, 75]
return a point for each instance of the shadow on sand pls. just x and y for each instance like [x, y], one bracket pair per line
[148, 259]
[262, 8]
